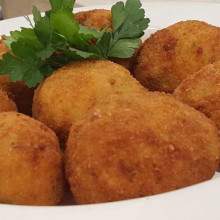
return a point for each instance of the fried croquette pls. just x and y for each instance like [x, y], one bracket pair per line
[100, 18]
[171, 54]
[17, 91]
[202, 91]
[67, 95]
[31, 171]
[6, 104]
[147, 145]
[96, 19]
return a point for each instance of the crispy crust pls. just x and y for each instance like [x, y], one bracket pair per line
[171, 54]
[132, 148]
[6, 104]
[31, 171]
[202, 91]
[67, 95]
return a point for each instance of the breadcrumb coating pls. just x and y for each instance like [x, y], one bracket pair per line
[202, 91]
[145, 145]
[31, 167]
[173, 53]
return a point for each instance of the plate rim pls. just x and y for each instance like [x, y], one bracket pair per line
[214, 183]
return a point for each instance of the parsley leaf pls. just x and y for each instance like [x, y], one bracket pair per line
[56, 5]
[22, 50]
[128, 19]
[8, 41]
[68, 4]
[36, 14]
[33, 76]
[129, 23]
[42, 30]
[26, 35]
[62, 4]
[14, 66]
[104, 44]
[118, 15]
[124, 48]
[63, 23]
[57, 38]
[87, 33]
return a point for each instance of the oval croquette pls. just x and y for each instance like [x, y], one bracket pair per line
[31, 169]
[171, 54]
[67, 95]
[147, 145]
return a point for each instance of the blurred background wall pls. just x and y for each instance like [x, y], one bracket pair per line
[14, 8]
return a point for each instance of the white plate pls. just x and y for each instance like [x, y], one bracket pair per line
[198, 202]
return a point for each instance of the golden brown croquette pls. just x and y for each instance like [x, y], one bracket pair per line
[31, 169]
[147, 145]
[171, 54]
[67, 95]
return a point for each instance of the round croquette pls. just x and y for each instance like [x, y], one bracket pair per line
[31, 169]
[67, 95]
[147, 145]
[6, 104]
[202, 91]
[171, 54]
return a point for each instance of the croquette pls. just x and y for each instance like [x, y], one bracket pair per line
[171, 54]
[98, 19]
[202, 91]
[17, 91]
[67, 95]
[6, 104]
[147, 145]
[31, 169]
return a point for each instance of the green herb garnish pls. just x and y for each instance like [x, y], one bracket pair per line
[56, 39]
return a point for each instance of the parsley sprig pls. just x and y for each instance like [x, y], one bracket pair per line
[57, 38]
